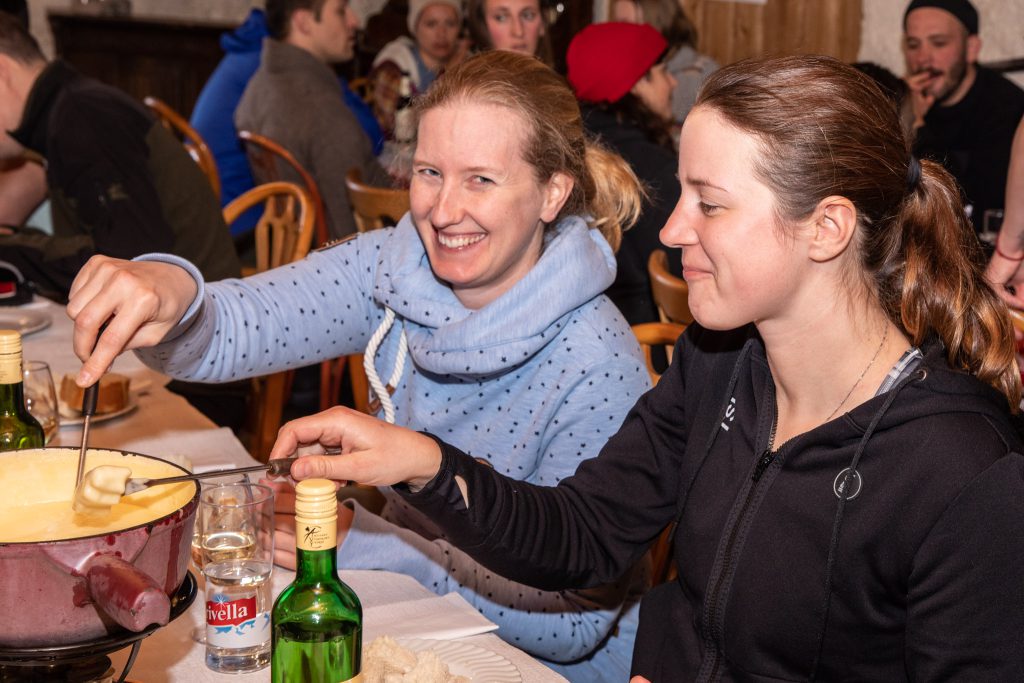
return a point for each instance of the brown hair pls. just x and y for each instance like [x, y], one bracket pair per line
[16, 42]
[279, 14]
[605, 187]
[671, 21]
[477, 20]
[827, 129]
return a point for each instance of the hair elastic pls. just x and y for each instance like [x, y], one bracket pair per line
[913, 174]
[1008, 258]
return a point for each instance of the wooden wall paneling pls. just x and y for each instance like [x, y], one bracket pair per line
[730, 31]
[167, 58]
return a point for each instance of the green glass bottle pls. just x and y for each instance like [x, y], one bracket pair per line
[317, 621]
[18, 429]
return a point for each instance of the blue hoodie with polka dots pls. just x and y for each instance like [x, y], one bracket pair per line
[533, 383]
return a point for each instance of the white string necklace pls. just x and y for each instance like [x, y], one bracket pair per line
[849, 393]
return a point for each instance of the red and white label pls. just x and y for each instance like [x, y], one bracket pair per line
[236, 623]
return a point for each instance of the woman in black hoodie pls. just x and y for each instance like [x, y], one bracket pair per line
[835, 438]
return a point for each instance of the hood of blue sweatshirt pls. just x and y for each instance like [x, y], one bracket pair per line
[249, 36]
[445, 337]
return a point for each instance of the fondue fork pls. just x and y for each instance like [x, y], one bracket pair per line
[88, 410]
[275, 468]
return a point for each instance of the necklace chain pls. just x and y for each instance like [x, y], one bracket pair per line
[849, 393]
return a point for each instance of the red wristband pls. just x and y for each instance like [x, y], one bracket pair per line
[1008, 258]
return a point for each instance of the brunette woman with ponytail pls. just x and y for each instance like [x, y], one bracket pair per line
[834, 440]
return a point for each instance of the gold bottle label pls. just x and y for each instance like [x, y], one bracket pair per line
[316, 534]
[10, 368]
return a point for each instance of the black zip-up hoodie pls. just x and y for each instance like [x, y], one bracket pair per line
[912, 568]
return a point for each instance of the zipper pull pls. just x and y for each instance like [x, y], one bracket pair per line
[762, 464]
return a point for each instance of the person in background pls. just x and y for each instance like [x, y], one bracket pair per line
[119, 183]
[835, 438]
[1005, 272]
[214, 112]
[516, 25]
[625, 91]
[22, 180]
[964, 114]
[688, 67]
[435, 27]
[482, 318]
[895, 88]
[294, 99]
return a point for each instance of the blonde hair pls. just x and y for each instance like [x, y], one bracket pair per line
[605, 189]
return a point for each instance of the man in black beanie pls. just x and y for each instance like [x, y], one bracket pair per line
[964, 114]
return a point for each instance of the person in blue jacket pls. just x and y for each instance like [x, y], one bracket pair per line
[482, 319]
[213, 115]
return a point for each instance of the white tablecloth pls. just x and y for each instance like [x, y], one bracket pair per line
[165, 425]
[170, 654]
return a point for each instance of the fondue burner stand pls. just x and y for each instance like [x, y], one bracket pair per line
[85, 662]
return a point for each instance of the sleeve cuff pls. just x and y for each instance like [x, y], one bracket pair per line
[193, 309]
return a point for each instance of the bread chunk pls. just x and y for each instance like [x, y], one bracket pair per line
[112, 395]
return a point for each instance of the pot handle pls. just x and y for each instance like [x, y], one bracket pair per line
[127, 595]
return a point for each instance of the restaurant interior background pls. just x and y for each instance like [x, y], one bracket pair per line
[864, 30]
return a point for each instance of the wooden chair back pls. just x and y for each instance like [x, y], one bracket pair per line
[284, 233]
[264, 156]
[363, 87]
[669, 291]
[190, 137]
[652, 335]
[374, 207]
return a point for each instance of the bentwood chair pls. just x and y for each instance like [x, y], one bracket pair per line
[363, 87]
[266, 155]
[669, 291]
[284, 233]
[374, 207]
[190, 137]
[652, 335]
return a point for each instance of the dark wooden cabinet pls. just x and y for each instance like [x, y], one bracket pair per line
[170, 59]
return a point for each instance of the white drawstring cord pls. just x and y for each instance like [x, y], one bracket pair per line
[382, 393]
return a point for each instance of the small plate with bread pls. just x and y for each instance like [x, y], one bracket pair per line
[113, 399]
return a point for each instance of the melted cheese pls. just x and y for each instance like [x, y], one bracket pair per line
[39, 487]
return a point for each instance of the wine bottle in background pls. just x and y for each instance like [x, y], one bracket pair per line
[18, 429]
[404, 131]
[317, 621]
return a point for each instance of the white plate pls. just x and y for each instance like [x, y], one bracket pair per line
[24, 321]
[475, 663]
[73, 418]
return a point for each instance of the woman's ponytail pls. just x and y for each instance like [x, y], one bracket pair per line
[940, 288]
[616, 198]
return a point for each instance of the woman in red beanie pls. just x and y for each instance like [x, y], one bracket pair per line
[617, 72]
[689, 67]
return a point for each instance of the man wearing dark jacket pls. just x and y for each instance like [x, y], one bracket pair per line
[119, 183]
[964, 115]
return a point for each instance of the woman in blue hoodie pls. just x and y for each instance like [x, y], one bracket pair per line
[482, 320]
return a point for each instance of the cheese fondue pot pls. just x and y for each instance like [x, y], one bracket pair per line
[67, 578]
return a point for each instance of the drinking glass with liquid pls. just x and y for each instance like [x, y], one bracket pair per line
[234, 543]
